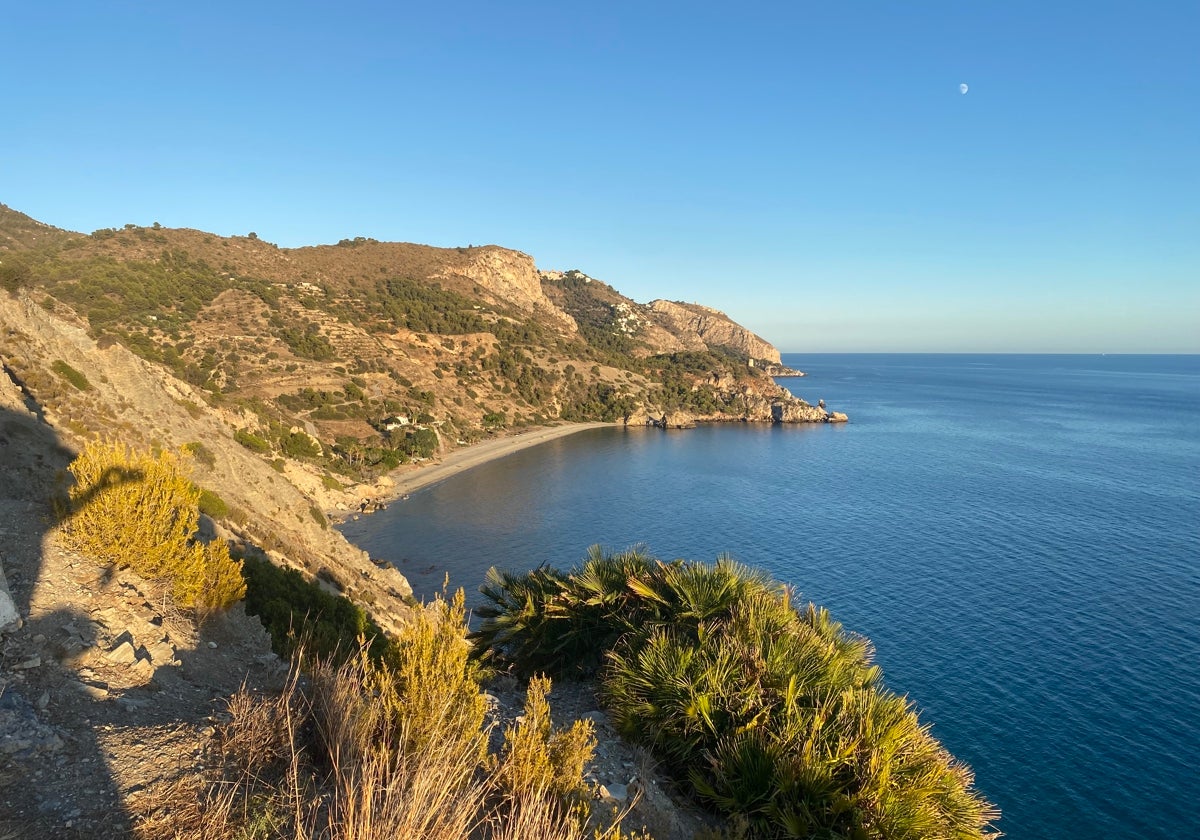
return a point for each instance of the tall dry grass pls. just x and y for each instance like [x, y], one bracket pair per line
[364, 751]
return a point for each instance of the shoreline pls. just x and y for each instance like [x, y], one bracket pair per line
[409, 478]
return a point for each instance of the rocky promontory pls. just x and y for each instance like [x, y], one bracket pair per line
[715, 329]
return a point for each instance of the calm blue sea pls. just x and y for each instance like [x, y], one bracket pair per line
[1018, 535]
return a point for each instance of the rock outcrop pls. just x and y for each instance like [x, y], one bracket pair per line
[713, 328]
[744, 405]
[512, 277]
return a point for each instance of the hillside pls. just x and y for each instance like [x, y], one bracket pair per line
[301, 377]
[297, 379]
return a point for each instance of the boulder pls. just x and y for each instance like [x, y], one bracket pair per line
[122, 654]
[9, 618]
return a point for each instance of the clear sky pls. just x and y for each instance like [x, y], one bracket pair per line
[813, 169]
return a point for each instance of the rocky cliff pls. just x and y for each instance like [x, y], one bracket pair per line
[512, 277]
[742, 403]
[714, 329]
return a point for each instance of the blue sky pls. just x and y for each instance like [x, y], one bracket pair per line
[810, 168]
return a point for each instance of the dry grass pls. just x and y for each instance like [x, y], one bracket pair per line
[361, 751]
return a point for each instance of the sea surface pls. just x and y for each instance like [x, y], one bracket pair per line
[1018, 535]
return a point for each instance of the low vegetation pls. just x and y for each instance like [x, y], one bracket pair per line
[369, 751]
[71, 375]
[139, 510]
[774, 716]
[294, 608]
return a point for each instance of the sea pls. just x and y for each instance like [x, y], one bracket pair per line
[1019, 536]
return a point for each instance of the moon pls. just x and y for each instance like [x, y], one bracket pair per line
[963, 88]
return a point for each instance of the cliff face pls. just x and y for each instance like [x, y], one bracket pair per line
[512, 277]
[713, 328]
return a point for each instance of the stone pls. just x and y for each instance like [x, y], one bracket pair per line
[109, 617]
[9, 617]
[11, 745]
[28, 664]
[43, 701]
[143, 669]
[122, 654]
[161, 652]
[96, 692]
[614, 793]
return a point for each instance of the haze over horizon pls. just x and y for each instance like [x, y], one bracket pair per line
[813, 170]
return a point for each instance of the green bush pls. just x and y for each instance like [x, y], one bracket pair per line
[318, 516]
[71, 375]
[308, 343]
[15, 272]
[299, 445]
[212, 505]
[774, 716]
[294, 609]
[251, 441]
[198, 450]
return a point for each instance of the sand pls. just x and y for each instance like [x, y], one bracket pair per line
[409, 479]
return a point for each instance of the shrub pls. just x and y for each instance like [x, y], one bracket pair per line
[71, 375]
[299, 445]
[538, 757]
[548, 621]
[293, 608]
[212, 505]
[137, 510]
[318, 516]
[775, 716]
[198, 450]
[15, 272]
[251, 441]
[436, 681]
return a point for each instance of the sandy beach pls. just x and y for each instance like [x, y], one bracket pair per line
[410, 478]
